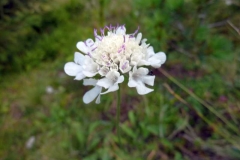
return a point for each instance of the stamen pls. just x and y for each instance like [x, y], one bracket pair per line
[102, 31]
[94, 48]
[88, 53]
[133, 34]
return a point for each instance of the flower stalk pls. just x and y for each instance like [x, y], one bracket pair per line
[118, 113]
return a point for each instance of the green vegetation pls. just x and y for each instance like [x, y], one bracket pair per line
[194, 112]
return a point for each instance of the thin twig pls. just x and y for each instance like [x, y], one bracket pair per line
[214, 126]
[209, 107]
[234, 27]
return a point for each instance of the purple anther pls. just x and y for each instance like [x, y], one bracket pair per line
[132, 35]
[119, 50]
[85, 42]
[94, 48]
[107, 27]
[124, 65]
[112, 28]
[99, 38]
[95, 33]
[102, 31]
[122, 26]
[122, 48]
[88, 53]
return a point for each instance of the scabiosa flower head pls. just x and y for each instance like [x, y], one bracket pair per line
[112, 55]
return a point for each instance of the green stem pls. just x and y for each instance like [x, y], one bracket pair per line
[118, 113]
[101, 12]
[210, 108]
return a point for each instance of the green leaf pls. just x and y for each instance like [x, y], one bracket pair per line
[128, 131]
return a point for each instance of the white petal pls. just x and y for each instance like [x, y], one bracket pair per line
[139, 37]
[150, 51]
[72, 69]
[79, 58]
[112, 89]
[82, 47]
[142, 71]
[148, 80]
[103, 71]
[89, 82]
[105, 82]
[90, 68]
[90, 95]
[89, 42]
[89, 73]
[121, 30]
[143, 62]
[120, 79]
[98, 98]
[124, 66]
[132, 83]
[157, 59]
[161, 56]
[142, 89]
[79, 76]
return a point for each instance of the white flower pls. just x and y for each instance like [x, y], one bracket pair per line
[75, 69]
[111, 81]
[138, 77]
[90, 95]
[83, 67]
[90, 68]
[114, 52]
[154, 59]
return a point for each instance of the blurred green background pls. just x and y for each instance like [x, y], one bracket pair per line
[193, 113]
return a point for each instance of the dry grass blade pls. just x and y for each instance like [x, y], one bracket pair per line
[210, 108]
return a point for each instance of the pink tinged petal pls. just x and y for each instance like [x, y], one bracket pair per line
[89, 82]
[148, 80]
[82, 47]
[90, 95]
[79, 58]
[105, 82]
[112, 89]
[142, 89]
[79, 76]
[124, 66]
[139, 37]
[72, 69]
